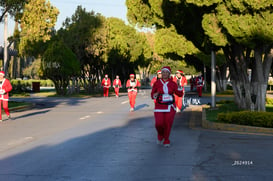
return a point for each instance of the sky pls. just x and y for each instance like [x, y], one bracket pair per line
[108, 8]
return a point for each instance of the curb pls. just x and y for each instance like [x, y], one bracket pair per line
[195, 118]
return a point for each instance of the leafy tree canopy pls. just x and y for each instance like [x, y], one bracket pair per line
[38, 20]
[59, 64]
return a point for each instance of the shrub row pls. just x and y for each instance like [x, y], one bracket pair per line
[43, 83]
[269, 101]
[259, 119]
[26, 85]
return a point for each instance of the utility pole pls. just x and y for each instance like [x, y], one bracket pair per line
[213, 82]
[205, 79]
[5, 66]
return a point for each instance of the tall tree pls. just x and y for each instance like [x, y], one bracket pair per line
[59, 64]
[243, 29]
[13, 7]
[38, 20]
[85, 34]
[132, 47]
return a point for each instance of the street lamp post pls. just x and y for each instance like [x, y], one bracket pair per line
[213, 83]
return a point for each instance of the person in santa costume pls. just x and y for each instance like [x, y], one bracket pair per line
[117, 85]
[192, 82]
[199, 84]
[5, 88]
[163, 92]
[106, 84]
[181, 81]
[132, 84]
[158, 76]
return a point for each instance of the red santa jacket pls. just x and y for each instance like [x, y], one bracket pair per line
[180, 82]
[165, 99]
[106, 82]
[153, 81]
[132, 85]
[5, 88]
[117, 83]
[199, 81]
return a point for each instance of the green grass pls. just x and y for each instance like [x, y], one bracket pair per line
[211, 114]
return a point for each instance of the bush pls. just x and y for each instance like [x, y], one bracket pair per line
[19, 86]
[259, 119]
[269, 101]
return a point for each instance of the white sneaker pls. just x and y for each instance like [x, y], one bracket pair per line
[131, 109]
[167, 145]
[1, 120]
[159, 142]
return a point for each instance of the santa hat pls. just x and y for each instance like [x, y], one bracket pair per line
[166, 68]
[106, 75]
[158, 72]
[132, 75]
[2, 72]
[180, 72]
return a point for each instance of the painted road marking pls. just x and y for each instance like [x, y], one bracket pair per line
[124, 102]
[85, 117]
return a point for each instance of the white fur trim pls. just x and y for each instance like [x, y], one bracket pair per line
[166, 110]
[165, 69]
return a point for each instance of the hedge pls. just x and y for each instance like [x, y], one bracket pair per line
[26, 85]
[250, 118]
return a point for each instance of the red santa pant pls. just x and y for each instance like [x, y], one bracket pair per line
[105, 91]
[132, 98]
[117, 91]
[5, 107]
[178, 102]
[163, 125]
[199, 90]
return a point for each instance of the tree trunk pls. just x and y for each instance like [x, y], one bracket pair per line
[259, 77]
[238, 65]
[249, 94]
[221, 78]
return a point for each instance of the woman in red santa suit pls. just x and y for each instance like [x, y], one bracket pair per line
[117, 85]
[5, 88]
[181, 81]
[132, 84]
[199, 84]
[106, 83]
[158, 76]
[163, 91]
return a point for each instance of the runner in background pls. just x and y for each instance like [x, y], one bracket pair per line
[181, 81]
[132, 84]
[5, 88]
[117, 85]
[199, 84]
[106, 84]
[158, 76]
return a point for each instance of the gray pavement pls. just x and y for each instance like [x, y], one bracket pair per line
[98, 139]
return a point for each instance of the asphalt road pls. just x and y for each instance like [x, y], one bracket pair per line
[98, 139]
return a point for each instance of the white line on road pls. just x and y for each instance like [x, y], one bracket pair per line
[124, 102]
[85, 117]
